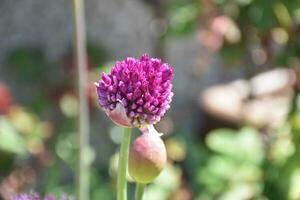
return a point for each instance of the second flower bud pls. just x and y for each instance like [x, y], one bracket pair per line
[147, 157]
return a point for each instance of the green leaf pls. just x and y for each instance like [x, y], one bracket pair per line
[10, 140]
[244, 145]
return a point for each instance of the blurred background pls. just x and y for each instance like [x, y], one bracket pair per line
[233, 130]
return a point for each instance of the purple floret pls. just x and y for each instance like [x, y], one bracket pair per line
[143, 87]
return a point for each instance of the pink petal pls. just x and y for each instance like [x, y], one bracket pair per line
[118, 115]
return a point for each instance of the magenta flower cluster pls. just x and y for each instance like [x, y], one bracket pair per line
[140, 88]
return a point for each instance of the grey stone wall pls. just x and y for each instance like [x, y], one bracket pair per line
[122, 28]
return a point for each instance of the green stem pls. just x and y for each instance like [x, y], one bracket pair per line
[139, 191]
[83, 133]
[123, 164]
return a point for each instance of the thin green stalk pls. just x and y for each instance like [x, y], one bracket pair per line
[123, 165]
[139, 191]
[83, 133]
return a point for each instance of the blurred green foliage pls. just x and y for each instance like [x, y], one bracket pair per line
[182, 18]
[244, 32]
[247, 163]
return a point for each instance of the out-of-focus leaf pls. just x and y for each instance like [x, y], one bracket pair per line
[223, 141]
[282, 149]
[176, 149]
[10, 140]
[294, 192]
[296, 14]
[261, 14]
[244, 2]
[183, 19]
[23, 121]
[66, 149]
[245, 145]
[221, 166]
[210, 183]
[69, 105]
[240, 192]
[167, 182]
[282, 14]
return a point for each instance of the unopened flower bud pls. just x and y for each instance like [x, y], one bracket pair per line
[147, 156]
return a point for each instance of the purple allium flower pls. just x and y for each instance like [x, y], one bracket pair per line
[136, 92]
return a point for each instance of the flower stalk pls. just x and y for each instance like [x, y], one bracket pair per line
[139, 191]
[83, 134]
[123, 165]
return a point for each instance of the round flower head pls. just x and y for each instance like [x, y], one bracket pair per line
[136, 92]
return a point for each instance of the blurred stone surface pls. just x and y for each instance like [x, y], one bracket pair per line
[122, 28]
[262, 101]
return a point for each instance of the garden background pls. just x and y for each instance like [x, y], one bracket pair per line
[231, 134]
